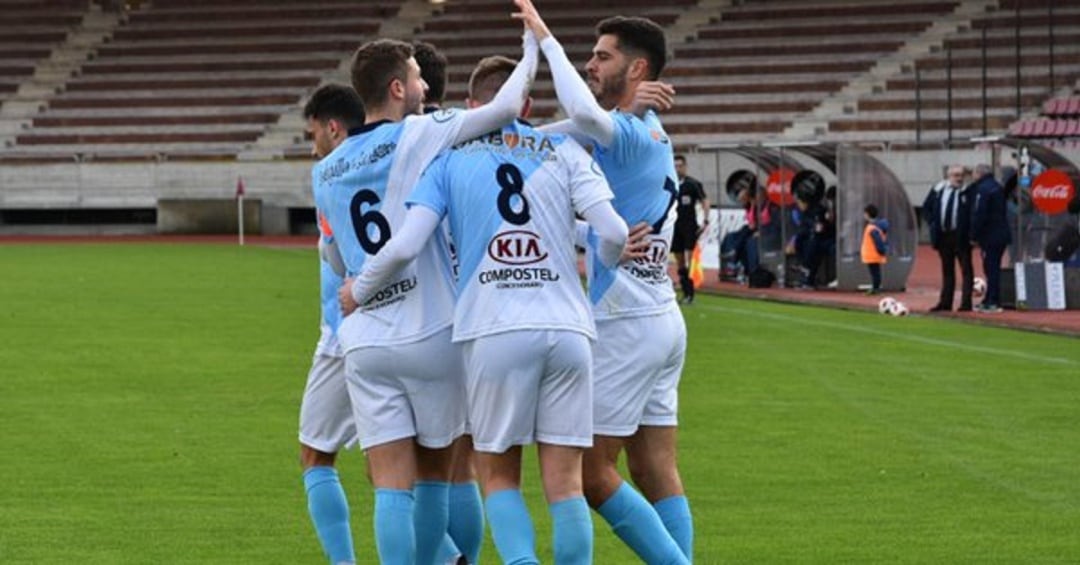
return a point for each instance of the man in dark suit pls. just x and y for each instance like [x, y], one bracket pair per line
[947, 211]
[990, 230]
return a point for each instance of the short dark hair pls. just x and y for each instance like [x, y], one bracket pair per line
[680, 157]
[375, 64]
[871, 210]
[638, 36]
[432, 70]
[333, 101]
[488, 76]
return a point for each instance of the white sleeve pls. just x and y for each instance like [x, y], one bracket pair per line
[610, 228]
[330, 254]
[567, 127]
[581, 233]
[575, 97]
[420, 222]
[508, 102]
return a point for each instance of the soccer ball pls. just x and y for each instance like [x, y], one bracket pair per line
[898, 309]
[886, 305]
[978, 286]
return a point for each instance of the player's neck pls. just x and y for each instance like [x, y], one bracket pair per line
[385, 113]
[625, 102]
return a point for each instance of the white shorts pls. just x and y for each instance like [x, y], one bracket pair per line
[529, 386]
[326, 416]
[638, 362]
[401, 391]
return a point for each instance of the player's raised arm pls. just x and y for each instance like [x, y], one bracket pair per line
[574, 95]
[508, 101]
[420, 222]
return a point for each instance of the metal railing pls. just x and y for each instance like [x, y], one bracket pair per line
[922, 83]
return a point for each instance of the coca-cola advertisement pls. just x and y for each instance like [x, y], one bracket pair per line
[1052, 191]
[778, 187]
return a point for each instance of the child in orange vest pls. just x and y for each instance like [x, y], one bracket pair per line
[875, 246]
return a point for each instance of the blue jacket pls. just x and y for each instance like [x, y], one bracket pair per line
[880, 243]
[989, 224]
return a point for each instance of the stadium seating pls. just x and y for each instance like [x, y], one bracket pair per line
[777, 60]
[199, 78]
[29, 32]
[209, 79]
[891, 110]
[469, 30]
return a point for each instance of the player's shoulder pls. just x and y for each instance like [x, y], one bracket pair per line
[432, 119]
[644, 129]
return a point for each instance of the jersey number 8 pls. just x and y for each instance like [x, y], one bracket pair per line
[511, 184]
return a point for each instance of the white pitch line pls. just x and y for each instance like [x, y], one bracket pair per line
[896, 335]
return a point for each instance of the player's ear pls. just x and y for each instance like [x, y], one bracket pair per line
[470, 103]
[333, 127]
[397, 89]
[639, 69]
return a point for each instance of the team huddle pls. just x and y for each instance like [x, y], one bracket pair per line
[455, 329]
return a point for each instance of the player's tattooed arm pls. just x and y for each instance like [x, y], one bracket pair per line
[637, 243]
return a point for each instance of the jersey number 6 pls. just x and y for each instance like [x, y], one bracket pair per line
[363, 220]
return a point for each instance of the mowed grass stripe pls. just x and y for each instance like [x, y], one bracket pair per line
[148, 396]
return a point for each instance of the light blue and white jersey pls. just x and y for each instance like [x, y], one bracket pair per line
[329, 307]
[329, 283]
[639, 166]
[510, 197]
[361, 186]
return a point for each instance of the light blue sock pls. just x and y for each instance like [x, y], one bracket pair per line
[467, 519]
[329, 511]
[674, 511]
[512, 528]
[395, 537]
[572, 531]
[431, 516]
[447, 552]
[635, 521]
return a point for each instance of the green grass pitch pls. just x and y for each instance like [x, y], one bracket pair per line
[149, 397]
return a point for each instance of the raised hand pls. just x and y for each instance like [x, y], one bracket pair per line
[659, 96]
[531, 18]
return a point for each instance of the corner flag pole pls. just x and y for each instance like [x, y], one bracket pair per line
[240, 208]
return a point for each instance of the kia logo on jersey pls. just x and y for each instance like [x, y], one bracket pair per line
[1052, 191]
[516, 247]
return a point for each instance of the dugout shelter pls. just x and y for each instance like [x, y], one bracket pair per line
[841, 176]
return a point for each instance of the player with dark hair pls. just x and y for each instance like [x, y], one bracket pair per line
[433, 71]
[326, 420]
[511, 196]
[641, 341]
[404, 375]
[466, 529]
